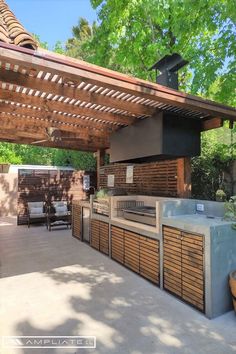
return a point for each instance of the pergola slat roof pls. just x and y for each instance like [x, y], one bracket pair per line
[40, 89]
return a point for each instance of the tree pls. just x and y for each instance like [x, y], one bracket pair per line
[77, 46]
[135, 33]
[78, 159]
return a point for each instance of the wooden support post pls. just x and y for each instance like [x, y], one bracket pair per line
[184, 177]
[100, 162]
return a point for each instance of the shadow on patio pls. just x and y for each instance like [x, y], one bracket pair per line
[82, 292]
[126, 314]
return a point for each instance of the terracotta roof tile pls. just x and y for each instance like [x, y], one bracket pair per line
[11, 31]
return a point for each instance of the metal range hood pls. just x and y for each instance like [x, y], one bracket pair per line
[162, 136]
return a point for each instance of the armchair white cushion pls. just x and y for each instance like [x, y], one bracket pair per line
[61, 208]
[35, 209]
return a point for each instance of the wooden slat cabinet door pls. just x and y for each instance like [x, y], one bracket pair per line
[131, 251]
[149, 258]
[76, 221]
[104, 237]
[117, 244]
[172, 260]
[94, 237]
[192, 269]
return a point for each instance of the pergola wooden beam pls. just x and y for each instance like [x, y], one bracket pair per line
[43, 114]
[33, 121]
[72, 92]
[212, 124]
[50, 106]
[39, 90]
[40, 133]
[80, 145]
[101, 77]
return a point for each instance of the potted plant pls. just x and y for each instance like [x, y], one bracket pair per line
[232, 284]
[220, 195]
[230, 211]
[230, 214]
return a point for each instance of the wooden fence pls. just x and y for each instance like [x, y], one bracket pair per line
[163, 178]
[49, 185]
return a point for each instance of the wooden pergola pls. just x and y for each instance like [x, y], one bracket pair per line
[41, 89]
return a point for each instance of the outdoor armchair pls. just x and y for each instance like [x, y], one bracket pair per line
[58, 214]
[36, 212]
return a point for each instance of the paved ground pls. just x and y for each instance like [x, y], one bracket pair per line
[54, 285]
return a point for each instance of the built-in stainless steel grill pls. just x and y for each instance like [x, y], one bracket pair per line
[142, 214]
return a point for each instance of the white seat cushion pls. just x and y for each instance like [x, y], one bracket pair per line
[36, 209]
[40, 215]
[61, 210]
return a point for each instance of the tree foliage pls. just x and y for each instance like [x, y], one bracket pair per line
[35, 155]
[135, 33]
[130, 36]
[79, 45]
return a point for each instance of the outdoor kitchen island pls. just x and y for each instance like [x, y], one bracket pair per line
[187, 252]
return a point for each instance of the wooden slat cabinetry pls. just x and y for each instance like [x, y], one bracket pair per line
[117, 244]
[136, 252]
[99, 238]
[183, 265]
[94, 237]
[76, 220]
[104, 237]
[131, 251]
[149, 258]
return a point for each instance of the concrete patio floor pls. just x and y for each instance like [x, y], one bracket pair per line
[52, 284]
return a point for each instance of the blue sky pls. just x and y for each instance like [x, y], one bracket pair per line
[52, 20]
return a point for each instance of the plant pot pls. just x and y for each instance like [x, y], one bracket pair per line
[232, 284]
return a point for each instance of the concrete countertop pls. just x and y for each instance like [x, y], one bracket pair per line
[198, 219]
[195, 222]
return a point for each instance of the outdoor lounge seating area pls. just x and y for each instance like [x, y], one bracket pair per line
[67, 287]
[58, 213]
[143, 257]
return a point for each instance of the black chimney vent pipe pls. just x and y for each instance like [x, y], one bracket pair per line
[169, 66]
